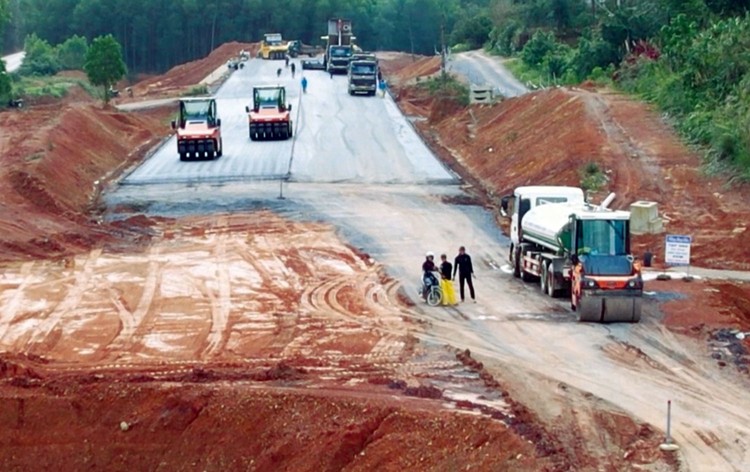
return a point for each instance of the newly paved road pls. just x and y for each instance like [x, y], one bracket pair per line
[339, 138]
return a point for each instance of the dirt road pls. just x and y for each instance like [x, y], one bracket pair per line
[480, 68]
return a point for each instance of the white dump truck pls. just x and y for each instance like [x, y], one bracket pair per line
[574, 247]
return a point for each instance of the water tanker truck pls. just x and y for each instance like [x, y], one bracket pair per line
[573, 247]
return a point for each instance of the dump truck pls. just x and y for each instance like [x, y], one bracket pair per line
[270, 117]
[273, 47]
[363, 74]
[339, 45]
[297, 48]
[573, 247]
[198, 129]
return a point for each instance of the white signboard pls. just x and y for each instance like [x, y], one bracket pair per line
[677, 250]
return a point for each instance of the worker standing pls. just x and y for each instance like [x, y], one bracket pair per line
[294, 69]
[462, 265]
[304, 84]
[383, 85]
[446, 282]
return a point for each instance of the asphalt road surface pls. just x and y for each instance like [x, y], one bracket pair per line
[339, 138]
[358, 166]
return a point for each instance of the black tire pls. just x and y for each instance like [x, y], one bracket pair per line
[434, 296]
[550, 283]
[220, 152]
[516, 262]
[291, 129]
[183, 156]
[543, 278]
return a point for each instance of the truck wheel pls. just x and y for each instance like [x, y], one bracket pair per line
[221, 148]
[516, 262]
[291, 129]
[543, 278]
[183, 156]
[550, 276]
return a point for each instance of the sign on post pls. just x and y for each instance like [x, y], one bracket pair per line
[677, 250]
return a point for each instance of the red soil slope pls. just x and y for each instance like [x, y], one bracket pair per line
[55, 160]
[547, 137]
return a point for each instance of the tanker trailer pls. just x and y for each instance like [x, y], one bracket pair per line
[580, 249]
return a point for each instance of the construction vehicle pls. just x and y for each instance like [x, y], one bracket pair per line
[575, 247]
[363, 74]
[198, 129]
[339, 46]
[270, 116]
[273, 47]
[297, 48]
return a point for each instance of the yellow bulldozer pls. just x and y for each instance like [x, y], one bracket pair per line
[273, 47]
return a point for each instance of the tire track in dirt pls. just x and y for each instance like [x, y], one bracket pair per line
[629, 147]
[221, 298]
[10, 309]
[41, 340]
[131, 321]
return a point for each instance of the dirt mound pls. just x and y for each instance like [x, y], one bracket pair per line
[401, 68]
[187, 75]
[55, 160]
[547, 137]
[147, 426]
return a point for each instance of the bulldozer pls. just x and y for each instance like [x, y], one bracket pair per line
[198, 129]
[273, 47]
[269, 118]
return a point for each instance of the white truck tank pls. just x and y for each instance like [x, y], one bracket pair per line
[529, 197]
[547, 225]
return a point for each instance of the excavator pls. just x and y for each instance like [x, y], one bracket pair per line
[269, 118]
[198, 129]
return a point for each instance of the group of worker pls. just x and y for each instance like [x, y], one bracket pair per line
[461, 265]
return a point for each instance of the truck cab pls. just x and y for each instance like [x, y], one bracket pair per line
[337, 58]
[363, 75]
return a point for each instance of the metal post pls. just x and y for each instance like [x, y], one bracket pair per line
[668, 445]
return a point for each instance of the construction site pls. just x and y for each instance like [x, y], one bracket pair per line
[259, 308]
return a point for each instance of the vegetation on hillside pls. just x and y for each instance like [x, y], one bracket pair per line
[690, 57]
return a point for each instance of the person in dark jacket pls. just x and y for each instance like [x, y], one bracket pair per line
[462, 265]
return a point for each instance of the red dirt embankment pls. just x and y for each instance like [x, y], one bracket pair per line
[547, 137]
[181, 78]
[55, 160]
[110, 424]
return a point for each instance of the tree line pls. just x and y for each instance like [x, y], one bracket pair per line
[158, 34]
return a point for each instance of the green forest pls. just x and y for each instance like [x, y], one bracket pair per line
[157, 34]
[689, 57]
